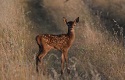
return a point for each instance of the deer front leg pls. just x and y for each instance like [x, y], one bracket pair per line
[62, 64]
[66, 60]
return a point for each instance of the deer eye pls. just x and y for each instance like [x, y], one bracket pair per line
[68, 24]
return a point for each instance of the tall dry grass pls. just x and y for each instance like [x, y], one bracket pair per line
[14, 35]
[95, 55]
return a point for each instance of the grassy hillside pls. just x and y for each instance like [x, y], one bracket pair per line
[111, 14]
[15, 48]
[97, 53]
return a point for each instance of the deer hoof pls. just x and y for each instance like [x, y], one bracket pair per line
[37, 70]
[62, 72]
[44, 73]
[68, 71]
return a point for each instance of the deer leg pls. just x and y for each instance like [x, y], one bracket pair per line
[42, 55]
[62, 64]
[66, 60]
[37, 58]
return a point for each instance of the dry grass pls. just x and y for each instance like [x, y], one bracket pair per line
[14, 34]
[95, 55]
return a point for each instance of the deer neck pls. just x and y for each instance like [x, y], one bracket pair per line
[71, 34]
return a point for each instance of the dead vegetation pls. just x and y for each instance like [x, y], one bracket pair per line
[97, 54]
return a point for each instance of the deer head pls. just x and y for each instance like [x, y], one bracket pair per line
[71, 24]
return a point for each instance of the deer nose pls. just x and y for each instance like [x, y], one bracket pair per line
[71, 28]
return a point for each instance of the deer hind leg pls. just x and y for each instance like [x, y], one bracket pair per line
[37, 58]
[42, 54]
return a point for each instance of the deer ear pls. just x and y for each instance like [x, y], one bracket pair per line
[77, 20]
[65, 20]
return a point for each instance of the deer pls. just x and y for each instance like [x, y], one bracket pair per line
[61, 42]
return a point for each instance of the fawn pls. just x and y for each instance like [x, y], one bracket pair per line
[61, 42]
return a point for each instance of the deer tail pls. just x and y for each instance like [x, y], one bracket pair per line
[38, 40]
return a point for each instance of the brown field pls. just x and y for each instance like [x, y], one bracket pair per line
[98, 52]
